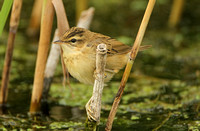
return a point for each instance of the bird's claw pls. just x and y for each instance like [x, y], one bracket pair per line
[90, 112]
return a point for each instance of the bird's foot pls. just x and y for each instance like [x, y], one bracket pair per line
[90, 111]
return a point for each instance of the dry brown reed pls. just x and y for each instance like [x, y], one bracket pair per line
[130, 62]
[14, 22]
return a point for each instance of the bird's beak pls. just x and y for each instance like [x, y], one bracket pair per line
[58, 42]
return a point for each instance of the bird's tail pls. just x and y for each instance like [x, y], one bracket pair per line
[144, 47]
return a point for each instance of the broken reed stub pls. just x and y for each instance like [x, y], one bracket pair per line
[86, 18]
[93, 107]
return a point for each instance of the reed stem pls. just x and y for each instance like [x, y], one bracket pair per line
[81, 5]
[44, 43]
[93, 107]
[35, 20]
[14, 22]
[130, 62]
[176, 12]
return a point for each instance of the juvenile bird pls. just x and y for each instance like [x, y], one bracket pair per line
[79, 53]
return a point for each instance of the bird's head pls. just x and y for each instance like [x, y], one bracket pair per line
[75, 37]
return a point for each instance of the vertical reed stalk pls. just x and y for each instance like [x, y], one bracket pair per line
[130, 62]
[86, 18]
[14, 22]
[52, 62]
[176, 11]
[81, 5]
[35, 20]
[44, 43]
[63, 25]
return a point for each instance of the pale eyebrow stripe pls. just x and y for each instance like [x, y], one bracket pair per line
[74, 33]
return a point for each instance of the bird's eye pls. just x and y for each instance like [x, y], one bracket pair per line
[73, 40]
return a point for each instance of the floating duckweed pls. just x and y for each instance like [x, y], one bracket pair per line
[64, 125]
[133, 117]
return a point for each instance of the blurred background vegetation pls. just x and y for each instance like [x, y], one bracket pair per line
[164, 84]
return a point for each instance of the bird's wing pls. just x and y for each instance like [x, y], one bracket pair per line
[114, 46]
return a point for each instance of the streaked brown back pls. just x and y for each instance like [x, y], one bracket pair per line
[114, 46]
